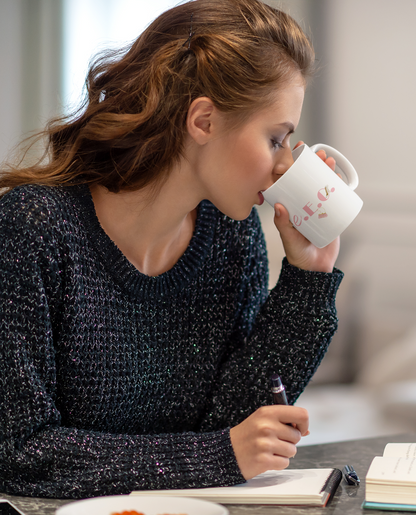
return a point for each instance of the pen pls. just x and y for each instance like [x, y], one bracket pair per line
[278, 390]
[350, 475]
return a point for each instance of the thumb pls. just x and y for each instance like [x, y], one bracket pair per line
[281, 220]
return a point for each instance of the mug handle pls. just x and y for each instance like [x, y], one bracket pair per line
[345, 166]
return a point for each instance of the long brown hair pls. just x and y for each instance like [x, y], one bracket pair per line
[130, 129]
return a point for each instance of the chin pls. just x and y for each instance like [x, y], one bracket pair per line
[240, 218]
[237, 214]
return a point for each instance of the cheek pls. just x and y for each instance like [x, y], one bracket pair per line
[256, 162]
[250, 150]
[246, 159]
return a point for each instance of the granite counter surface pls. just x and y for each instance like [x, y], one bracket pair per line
[347, 500]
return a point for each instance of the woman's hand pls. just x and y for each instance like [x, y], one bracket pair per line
[265, 441]
[300, 252]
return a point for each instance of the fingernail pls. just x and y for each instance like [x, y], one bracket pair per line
[277, 211]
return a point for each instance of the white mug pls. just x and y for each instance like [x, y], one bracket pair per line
[320, 204]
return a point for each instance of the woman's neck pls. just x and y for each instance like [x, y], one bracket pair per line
[151, 230]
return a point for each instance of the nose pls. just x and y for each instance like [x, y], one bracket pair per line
[284, 162]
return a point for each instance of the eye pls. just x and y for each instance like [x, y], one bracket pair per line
[276, 145]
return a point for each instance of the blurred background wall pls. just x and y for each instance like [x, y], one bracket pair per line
[362, 101]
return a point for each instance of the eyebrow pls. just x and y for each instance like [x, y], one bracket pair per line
[290, 127]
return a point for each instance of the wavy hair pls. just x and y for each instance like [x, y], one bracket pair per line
[130, 129]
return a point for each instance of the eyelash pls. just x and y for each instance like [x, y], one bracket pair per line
[276, 144]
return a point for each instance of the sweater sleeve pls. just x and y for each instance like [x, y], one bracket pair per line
[286, 331]
[38, 455]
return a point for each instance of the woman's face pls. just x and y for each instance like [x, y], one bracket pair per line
[241, 163]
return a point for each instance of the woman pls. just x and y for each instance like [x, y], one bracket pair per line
[137, 331]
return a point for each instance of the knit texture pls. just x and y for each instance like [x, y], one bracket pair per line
[113, 381]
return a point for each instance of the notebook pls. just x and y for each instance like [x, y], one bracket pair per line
[367, 505]
[391, 479]
[308, 487]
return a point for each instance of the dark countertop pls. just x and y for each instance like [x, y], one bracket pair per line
[347, 500]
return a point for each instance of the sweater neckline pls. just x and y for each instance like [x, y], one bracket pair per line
[127, 276]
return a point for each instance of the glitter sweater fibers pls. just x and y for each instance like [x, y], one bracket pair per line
[112, 380]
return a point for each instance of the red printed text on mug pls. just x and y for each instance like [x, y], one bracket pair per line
[311, 208]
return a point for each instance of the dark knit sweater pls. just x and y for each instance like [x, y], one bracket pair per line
[112, 380]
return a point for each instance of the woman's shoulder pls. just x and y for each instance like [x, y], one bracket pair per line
[32, 195]
[36, 200]
[38, 208]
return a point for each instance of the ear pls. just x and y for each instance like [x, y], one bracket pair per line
[201, 120]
